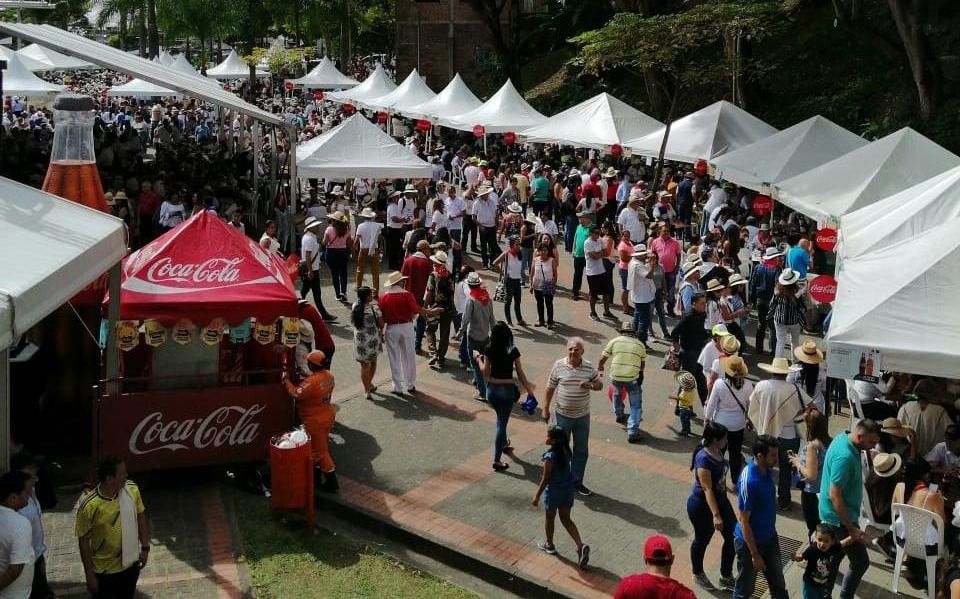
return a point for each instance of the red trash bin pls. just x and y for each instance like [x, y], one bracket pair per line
[291, 478]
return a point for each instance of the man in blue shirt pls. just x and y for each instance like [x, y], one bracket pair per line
[841, 493]
[763, 282]
[798, 258]
[755, 535]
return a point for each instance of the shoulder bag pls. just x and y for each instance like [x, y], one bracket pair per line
[548, 287]
[750, 426]
[500, 291]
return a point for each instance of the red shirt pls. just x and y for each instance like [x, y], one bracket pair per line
[417, 269]
[321, 336]
[651, 586]
[398, 307]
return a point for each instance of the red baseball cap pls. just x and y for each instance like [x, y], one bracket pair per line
[657, 547]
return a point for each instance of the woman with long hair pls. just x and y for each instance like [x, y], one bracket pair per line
[811, 377]
[497, 366]
[510, 264]
[543, 283]
[728, 404]
[367, 324]
[731, 245]
[269, 241]
[810, 466]
[556, 487]
[787, 311]
[338, 243]
[438, 216]
[708, 507]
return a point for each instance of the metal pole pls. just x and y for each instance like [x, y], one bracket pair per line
[294, 204]
[113, 315]
[4, 409]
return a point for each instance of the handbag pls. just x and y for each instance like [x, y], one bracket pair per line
[548, 287]
[671, 361]
[500, 291]
[750, 426]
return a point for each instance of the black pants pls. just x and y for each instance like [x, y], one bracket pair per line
[41, 588]
[489, 250]
[469, 231]
[122, 585]
[763, 307]
[810, 506]
[514, 293]
[544, 301]
[735, 454]
[579, 263]
[337, 261]
[394, 248]
[307, 285]
[702, 519]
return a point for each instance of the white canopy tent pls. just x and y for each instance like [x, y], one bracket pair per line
[901, 301]
[32, 64]
[707, 133]
[456, 98]
[51, 248]
[863, 176]
[138, 88]
[901, 216]
[787, 153]
[377, 84]
[325, 76]
[599, 122]
[505, 111]
[165, 58]
[19, 81]
[411, 92]
[358, 148]
[180, 64]
[56, 60]
[233, 67]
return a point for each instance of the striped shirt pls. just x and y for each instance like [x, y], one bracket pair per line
[626, 355]
[763, 282]
[786, 310]
[573, 401]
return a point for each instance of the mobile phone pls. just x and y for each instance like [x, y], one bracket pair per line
[790, 453]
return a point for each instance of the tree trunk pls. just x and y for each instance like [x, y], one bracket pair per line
[142, 28]
[910, 17]
[152, 32]
[666, 136]
[123, 30]
[219, 49]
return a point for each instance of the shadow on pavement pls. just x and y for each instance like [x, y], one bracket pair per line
[634, 514]
[423, 407]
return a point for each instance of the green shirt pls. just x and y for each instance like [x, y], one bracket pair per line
[582, 234]
[626, 355]
[540, 189]
[841, 467]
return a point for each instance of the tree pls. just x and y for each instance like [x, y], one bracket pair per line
[503, 36]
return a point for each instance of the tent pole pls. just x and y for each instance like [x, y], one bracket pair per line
[112, 385]
[484, 144]
[5, 409]
[255, 140]
[294, 204]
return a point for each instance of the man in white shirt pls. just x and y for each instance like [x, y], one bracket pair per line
[472, 172]
[597, 280]
[717, 198]
[310, 261]
[16, 537]
[485, 213]
[399, 218]
[436, 168]
[629, 218]
[455, 209]
[642, 290]
[368, 246]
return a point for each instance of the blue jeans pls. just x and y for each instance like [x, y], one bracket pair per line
[641, 320]
[700, 516]
[464, 356]
[526, 258]
[859, 562]
[785, 480]
[747, 575]
[570, 231]
[579, 429]
[658, 306]
[635, 395]
[815, 591]
[685, 415]
[501, 397]
[481, 347]
[420, 328]
[670, 280]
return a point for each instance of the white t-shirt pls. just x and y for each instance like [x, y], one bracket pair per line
[455, 209]
[310, 243]
[549, 227]
[16, 547]
[644, 290]
[368, 232]
[594, 266]
[393, 210]
[171, 214]
[630, 220]
[439, 220]
[514, 266]
[708, 354]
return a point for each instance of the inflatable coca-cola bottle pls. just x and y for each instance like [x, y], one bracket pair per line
[72, 173]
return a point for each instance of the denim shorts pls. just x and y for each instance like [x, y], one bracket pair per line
[555, 497]
[623, 278]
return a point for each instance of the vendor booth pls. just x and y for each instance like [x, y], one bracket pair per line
[325, 76]
[505, 111]
[207, 320]
[456, 98]
[377, 84]
[600, 122]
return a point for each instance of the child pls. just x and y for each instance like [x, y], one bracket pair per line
[823, 557]
[556, 486]
[684, 398]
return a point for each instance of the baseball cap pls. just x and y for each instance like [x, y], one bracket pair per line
[657, 548]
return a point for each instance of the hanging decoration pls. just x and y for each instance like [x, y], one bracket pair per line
[762, 205]
[154, 333]
[290, 331]
[826, 239]
[264, 332]
[509, 138]
[700, 167]
[616, 150]
[423, 125]
[183, 331]
[317, 95]
[479, 130]
[382, 117]
[241, 333]
[348, 109]
[211, 333]
[128, 334]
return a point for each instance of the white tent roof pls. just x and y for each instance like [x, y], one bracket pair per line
[901, 216]
[863, 176]
[707, 133]
[358, 148]
[375, 85]
[31, 63]
[165, 58]
[233, 67]
[456, 98]
[795, 150]
[599, 122]
[19, 81]
[180, 64]
[325, 76]
[411, 92]
[505, 111]
[139, 88]
[120, 61]
[51, 248]
[901, 300]
[56, 60]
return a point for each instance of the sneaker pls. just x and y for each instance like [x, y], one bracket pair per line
[583, 490]
[594, 317]
[703, 582]
[609, 314]
[583, 556]
[500, 466]
[728, 581]
[432, 361]
[622, 419]
[412, 390]
[635, 439]
[547, 548]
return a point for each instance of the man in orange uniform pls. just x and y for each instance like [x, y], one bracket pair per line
[317, 413]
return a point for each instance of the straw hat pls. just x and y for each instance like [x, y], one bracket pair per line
[734, 366]
[771, 252]
[337, 190]
[368, 213]
[690, 267]
[394, 279]
[310, 223]
[484, 190]
[611, 172]
[729, 345]
[337, 216]
[887, 464]
[439, 257]
[808, 352]
[777, 366]
[515, 208]
[474, 280]
[893, 426]
[736, 279]
[640, 250]
[410, 188]
[789, 276]
[715, 285]
[686, 380]
[627, 326]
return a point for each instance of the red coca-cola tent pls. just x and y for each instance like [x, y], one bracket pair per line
[201, 270]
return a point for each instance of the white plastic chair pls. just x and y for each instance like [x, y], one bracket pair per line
[866, 510]
[856, 410]
[915, 524]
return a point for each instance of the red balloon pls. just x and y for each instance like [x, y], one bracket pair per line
[348, 108]
[700, 168]
[826, 239]
[616, 149]
[382, 117]
[479, 130]
[509, 138]
[288, 85]
[762, 204]
[318, 95]
[423, 125]
[823, 289]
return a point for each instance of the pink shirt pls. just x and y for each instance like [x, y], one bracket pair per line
[624, 246]
[331, 240]
[669, 252]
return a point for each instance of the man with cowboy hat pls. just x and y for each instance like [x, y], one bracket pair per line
[689, 287]
[485, 214]
[641, 290]
[399, 219]
[627, 356]
[629, 218]
[368, 246]
[400, 310]
[927, 419]
[763, 282]
[313, 396]
[775, 406]
[310, 264]
[438, 304]
[417, 268]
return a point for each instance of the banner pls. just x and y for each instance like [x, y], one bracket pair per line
[290, 331]
[264, 332]
[128, 335]
[211, 333]
[154, 333]
[183, 331]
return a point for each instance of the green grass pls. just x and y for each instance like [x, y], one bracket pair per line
[286, 560]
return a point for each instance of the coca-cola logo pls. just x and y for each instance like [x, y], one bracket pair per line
[823, 289]
[213, 270]
[826, 239]
[226, 425]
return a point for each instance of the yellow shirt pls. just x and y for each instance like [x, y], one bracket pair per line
[523, 188]
[626, 356]
[686, 398]
[98, 518]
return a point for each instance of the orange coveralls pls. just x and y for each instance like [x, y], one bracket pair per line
[317, 413]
